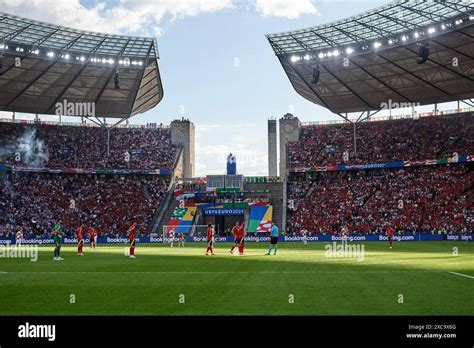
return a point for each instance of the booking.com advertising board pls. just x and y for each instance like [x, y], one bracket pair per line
[318, 238]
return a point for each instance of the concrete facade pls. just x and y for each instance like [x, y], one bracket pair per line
[183, 133]
[272, 148]
[289, 131]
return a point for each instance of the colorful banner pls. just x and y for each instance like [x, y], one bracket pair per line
[20, 169]
[260, 219]
[382, 165]
[182, 219]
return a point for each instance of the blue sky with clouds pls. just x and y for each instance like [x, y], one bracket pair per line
[217, 67]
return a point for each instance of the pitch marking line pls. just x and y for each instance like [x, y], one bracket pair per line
[462, 275]
[227, 272]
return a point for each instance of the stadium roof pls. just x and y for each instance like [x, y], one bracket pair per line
[371, 59]
[60, 63]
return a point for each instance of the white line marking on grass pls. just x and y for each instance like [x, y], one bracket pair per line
[229, 272]
[462, 275]
[3, 272]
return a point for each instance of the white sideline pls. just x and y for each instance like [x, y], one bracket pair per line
[462, 275]
[226, 272]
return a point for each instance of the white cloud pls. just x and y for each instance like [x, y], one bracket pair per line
[285, 8]
[140, 17]
[126, 17]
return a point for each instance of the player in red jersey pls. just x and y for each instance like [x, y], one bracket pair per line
[236, 232]
[80, 240]
[390, 235]
[132, 233]
[92, 233]
[210, 239]
[241, 240]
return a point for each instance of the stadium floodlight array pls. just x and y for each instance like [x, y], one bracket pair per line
[404, 38]
[368, 59]
[86, 63]
[25, 51]
[387, 22]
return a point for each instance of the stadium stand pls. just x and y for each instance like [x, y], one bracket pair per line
[414, 199]
[109, 203]
[383, 141]
[84, 147]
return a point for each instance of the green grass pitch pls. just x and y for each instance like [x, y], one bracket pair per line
[299, 280]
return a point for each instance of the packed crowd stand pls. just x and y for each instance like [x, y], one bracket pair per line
[430, 199]
[383, 141]
[33, 203]
[61, 147]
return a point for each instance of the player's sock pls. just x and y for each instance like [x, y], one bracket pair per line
[390, 244]
[232, 250]
[132, 250]
[276, 248]
[270, 249]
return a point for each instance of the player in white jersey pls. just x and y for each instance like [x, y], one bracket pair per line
[172, 233]
[304, 235]
[19, 238]
[181, 239]
[95, 239]
[344, 235]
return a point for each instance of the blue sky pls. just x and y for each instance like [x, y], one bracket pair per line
[217, 67]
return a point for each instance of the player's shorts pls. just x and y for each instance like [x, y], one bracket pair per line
[80, 241]
[209, 241]
[132, 243]
[390, 237]
[237, 240]
[274, 240]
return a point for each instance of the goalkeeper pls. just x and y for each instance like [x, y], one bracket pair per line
[57, 232]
